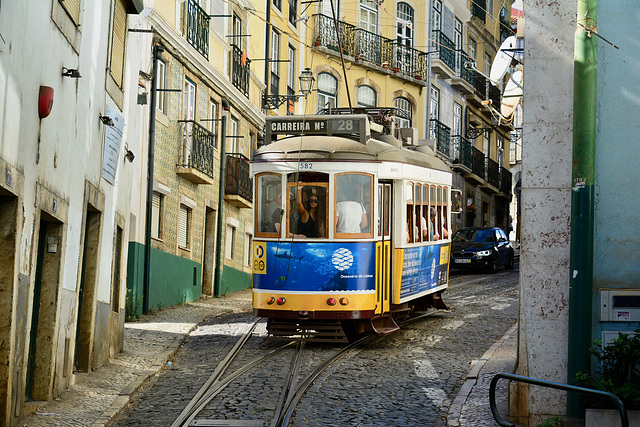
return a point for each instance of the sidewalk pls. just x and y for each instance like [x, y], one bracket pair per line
[153, 339]
[471, 406]
[149, 343]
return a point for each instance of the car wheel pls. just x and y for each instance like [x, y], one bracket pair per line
[493, 267]
[509, 265]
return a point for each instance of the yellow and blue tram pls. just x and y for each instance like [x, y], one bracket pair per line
[351, 227]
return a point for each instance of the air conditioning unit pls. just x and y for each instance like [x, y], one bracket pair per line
[408, 136]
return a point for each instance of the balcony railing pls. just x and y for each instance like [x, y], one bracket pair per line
[493, 173]
[461, 71]
[505, 181]
[196, 151]
[195, 26]
[368, 46]
[240, 71]
[477, 162]
[481, 83]
[405, 60]
[444, 49]
[479, 9]
[462, 151]
[238, 180]
[364, 45]
[442, 134]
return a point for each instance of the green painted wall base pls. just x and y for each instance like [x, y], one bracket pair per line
[173, 280]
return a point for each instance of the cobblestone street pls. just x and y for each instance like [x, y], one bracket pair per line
[409, 378]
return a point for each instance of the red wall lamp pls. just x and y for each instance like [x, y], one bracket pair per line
[45, 101]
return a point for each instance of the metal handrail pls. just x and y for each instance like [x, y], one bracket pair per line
[566, 387]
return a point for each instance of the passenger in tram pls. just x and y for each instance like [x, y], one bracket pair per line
[310, 223]
[351, 216]
[273, 215]
[424, 228]
[433, 233]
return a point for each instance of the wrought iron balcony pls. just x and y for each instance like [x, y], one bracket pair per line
[493, 173]
[444, 50]
[462, 153]
[239, 71]
[368, 46]
[481, 85]
[442, 134]
[238, 188]
[464, 78]
[374, 50]
[477, 164]
[505, 182]
[195, 26]
[196, 153]
[405, 60]
[479, 9]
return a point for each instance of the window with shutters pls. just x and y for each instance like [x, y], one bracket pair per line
[229, 242]
[118, 37]
[184, 225]
[157, 206]
[72, 7]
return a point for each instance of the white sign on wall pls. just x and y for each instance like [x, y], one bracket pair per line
[112, 143]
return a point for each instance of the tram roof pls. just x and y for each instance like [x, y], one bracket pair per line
[343, 148]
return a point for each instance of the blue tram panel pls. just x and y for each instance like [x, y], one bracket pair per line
[424, 268]
[314, 267]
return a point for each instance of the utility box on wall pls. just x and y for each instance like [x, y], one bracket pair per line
[620, 305]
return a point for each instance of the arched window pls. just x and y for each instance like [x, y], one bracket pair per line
[407, 108]
[327, 90]
[366, 96]
[405, 25]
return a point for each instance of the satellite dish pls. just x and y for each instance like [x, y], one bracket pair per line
[512, 94]
[502, 60]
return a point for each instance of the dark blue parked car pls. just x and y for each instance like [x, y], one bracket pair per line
[481, 248]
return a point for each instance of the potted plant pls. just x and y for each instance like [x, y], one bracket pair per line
[619, 373]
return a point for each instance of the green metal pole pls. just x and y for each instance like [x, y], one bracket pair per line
[582, 198]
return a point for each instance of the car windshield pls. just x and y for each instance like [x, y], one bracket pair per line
[474, 235]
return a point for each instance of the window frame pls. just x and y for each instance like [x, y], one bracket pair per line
[369, 210]
[258, 197]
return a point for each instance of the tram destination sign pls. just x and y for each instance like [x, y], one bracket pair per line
[352, 124]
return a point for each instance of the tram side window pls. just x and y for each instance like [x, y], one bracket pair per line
[269, 203]
[353, 205]
[307, 205]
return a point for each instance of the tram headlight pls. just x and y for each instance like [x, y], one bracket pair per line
[281, 301]
[331, 301]
[481, 254]
[344, 301]
[271, 300]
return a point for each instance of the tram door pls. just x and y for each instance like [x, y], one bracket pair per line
[383, 248]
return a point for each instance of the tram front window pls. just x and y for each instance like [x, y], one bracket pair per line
[307, 206]
[353, 205]
[269, 203]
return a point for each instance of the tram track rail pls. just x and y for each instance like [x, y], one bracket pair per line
[294, 386]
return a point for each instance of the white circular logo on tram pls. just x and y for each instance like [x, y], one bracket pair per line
[342, 259]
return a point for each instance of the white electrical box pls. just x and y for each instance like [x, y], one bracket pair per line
[607, 336]
[620, 305]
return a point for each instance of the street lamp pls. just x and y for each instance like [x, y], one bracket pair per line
[272, 102]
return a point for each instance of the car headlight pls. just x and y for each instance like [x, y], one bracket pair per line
[484, 253]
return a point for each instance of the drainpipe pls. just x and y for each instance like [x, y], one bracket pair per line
[582, 199]
[223, 162]
[157, 54]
